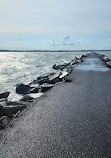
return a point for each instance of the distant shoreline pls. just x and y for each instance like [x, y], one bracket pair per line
[50, 50]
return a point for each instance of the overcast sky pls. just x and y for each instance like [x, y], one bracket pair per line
[55, 24]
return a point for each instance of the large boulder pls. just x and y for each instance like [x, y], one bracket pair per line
[41, 79]
[4, 95]
[108, 64]
[45, 87]
[64, 73]
[30, 97]
[22, 89]
[51, 78]
[34, 90]
[1, 111]
[11, 110]
[61, 67]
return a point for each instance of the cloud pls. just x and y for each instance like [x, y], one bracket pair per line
[108, 28]
[65, 41]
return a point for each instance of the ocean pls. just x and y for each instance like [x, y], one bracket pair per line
[24, 67]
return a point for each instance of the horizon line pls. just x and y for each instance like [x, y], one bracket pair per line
[9, 50]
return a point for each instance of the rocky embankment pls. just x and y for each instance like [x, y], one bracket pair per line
[9, 110]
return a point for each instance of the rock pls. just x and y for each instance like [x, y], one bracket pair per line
[1, 111]
[82, 56]
[64, 73]
[41, 79]
[15, 103]
[106, 59]
[22, 89]
[66, 79]
[11, 110]
[61, 67]
[54, 78]
[34, 90]
[4, 95]
[3, 102]
[108, 64]
[49, 78]
[69, 68]
[74, 61]
[30, 97]
[45, 87]
[34, 86]
[4, 121]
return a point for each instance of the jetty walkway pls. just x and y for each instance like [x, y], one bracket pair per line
[72, 120]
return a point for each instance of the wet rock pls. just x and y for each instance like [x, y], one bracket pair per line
[45, 87]
[11, 110]
[30, 97]
[4, 121]
[22, 89]
[4, 95]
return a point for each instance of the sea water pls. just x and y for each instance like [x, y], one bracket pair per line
[24, 67]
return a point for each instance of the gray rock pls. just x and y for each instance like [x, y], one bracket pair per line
[51, 78]
[108, 64]
[64, 73]
[30, 97]
[4, 95]
[11, 110]
[34, 90]
[61, 67]
[66, 79]
[1, 111]
[22, 89]
[45, 87]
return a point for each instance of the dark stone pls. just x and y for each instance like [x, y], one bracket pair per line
[1, 111]
[82, 56]
[51, 78]
[30, 97]
[4, 95]
[15, 103]
[66, 79]
[42, 79]
[11, 110]
[45, 87]
[22, 89]
[61, 67]
[34, 90]
[27, 98]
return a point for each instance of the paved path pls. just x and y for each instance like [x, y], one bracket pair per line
[72, 120]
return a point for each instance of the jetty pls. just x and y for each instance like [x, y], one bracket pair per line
[71, 120]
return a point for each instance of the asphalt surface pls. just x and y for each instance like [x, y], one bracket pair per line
[72, 120]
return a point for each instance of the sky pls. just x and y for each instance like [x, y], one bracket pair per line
[55, 24]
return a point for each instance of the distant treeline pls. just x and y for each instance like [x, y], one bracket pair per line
[50, 50]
